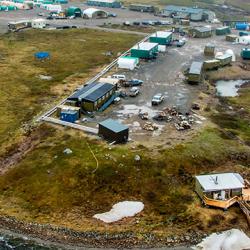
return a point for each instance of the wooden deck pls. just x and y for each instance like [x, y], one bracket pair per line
[220, 203]
[246, 194]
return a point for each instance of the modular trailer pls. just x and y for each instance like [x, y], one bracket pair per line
[224, 60]
[211, 64]
[142, 8]
[201, 32]
[145, 50]
[161, 37]
[105, 3]
[113, 131]
[69, 116]
[209, 50]
[195, 72]
[93, 96]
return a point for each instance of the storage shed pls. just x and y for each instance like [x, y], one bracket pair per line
[245, 54]
[105, 3]
[231, 38]
[73, 11]
[145, 50]
[128, 62]
[195, 73]
[201, 32]
[219, 189]
[92, 13]
[142, 8]
[161, 37]
[221, 31]
[209, 50]
[113, 131]
[93, 96]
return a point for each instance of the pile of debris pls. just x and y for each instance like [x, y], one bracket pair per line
[150, 126]
[181, 122]
[143, 115]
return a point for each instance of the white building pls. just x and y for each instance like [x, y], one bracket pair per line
[38, 23]
[94, 13]
[243, 40]
[127, 62]
[52, 7]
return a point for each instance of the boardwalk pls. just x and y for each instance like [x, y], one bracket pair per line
[72, 125]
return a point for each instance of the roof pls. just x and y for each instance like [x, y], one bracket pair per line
[92, 92]
[220, 181]
[196, 68]
[222, 28]
[141, 5]
[184, 9]
[203, 29]
[145, 46]
[225, 56]
[162, 34]
[113, 125]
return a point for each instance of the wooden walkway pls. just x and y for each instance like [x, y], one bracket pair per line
[245, 208]
[72, 125]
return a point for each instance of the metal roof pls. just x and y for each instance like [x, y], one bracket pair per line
[113, 125]
[103, 1]
[145, 46]
[91, 11]
[196, 68]
[220, 181]
[225, 56]
[162, 34]
[174, 8]
[92, 92]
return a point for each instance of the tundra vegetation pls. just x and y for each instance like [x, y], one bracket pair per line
[48, 186]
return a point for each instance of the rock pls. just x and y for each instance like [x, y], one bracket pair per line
[67, 151]
[137, 158]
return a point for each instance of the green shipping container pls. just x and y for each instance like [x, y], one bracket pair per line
[10, 8]
[222, 31]
[245, 54]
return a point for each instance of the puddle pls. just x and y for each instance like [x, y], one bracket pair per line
[228, 88]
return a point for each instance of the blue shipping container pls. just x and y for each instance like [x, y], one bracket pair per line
[69, 116]
[241, 26]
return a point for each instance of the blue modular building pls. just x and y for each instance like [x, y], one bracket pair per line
[69, 116]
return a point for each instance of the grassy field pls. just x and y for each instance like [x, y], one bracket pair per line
[49, 186]
[75, 55]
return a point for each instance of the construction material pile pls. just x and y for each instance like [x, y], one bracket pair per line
[150, 126]
[181, 122]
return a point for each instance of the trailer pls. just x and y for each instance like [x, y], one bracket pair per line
[195, 73]
[211, 64]
[224, 60]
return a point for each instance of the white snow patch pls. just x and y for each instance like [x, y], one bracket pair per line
[121, 210]
[233, 239]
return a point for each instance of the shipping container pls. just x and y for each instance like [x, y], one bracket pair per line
[209, 50]
[241, 26]
[69, 116]
[211, 64]
[231, 38]
[195, 73]
[223, 31]
[245, 54]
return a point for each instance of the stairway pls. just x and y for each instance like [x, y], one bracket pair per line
[245, 208]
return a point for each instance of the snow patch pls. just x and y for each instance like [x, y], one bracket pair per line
[233, 239]
[121, 210]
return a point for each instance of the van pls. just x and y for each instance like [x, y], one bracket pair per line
[120, 77]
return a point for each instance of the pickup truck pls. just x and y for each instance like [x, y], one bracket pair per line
[133, 83]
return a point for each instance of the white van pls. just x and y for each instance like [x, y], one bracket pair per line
[120, 77]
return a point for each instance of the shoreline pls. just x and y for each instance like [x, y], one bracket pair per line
[64, 238]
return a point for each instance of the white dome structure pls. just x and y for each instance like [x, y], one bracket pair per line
[94, 13]
[231, 53]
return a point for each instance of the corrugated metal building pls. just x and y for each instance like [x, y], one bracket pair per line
[145, 50]
[105, 3]
[93, 96]
[113, 131]
[245, 53]
[201, 32]
[161, 37]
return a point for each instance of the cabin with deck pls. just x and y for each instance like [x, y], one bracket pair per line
[222, 190]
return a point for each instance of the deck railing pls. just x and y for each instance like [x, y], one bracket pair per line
[220, 203]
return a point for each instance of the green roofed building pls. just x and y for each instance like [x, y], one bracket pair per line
[161, 37]
[145, 50]
[73, 11]
[223, 31]
[105, 3]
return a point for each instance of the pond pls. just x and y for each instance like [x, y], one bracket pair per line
[229, 88]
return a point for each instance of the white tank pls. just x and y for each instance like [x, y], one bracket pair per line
[218, 54]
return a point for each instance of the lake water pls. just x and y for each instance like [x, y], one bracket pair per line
[228, 88]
